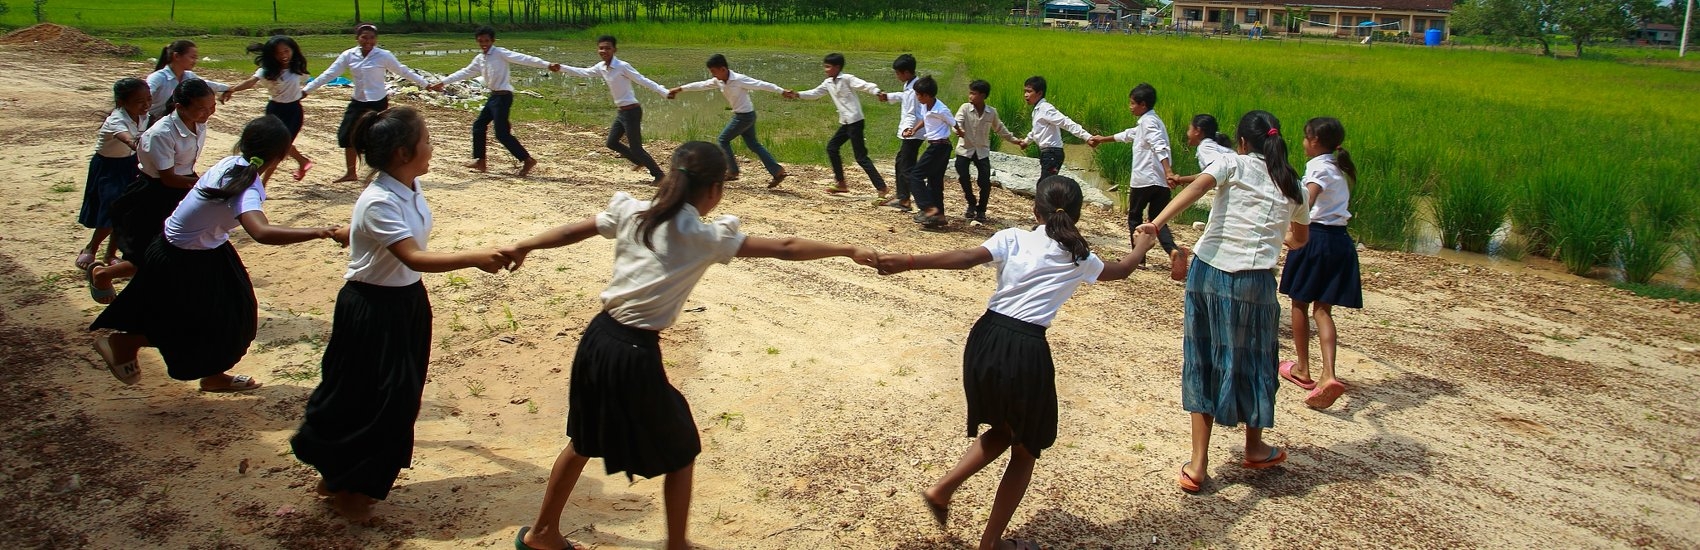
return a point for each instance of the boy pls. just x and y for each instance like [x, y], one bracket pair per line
[975, 121]
[1148, 186]
[736, 88]
[1048, 124]
[843, 87]
[492, 63]
[933, 123]
[628, 119]
[904, 68]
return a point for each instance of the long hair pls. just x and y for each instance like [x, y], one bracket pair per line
[1329, 133]
[171, 51]
[1057, 200]
[383, 136]
[1207, 125]
[695, 166]
[1262, 131]
[266, 57]
[264, 142]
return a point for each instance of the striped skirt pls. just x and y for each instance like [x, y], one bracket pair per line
[1231, 347]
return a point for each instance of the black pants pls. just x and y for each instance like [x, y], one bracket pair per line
[496, 109]
[1145, 203]
[984, 165]
[629, 123]
[1050, 162]
[905, 162]
[926, 179]
[852, 133]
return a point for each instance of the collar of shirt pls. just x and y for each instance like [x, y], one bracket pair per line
[396, 187]
[181, 129]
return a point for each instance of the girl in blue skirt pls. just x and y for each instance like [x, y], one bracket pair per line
[111, 169]
[1324, 273]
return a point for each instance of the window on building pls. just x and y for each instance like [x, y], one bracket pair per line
[1392, 24]
[1215, 16]
[1321, 20]
[1252, 15]
[1438, 24]
[1194, 15]
[1422, 25]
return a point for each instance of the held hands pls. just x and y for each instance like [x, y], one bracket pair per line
[1146, 229]
[908, 132]
[865, 256]
[674, 93]
[790, 94]
[337, 233]
[892, 264]
[514, 254]
[884, 98]
[438, 87]
[491, 261]
[1097, 140]
[554, 67]
[225, 96]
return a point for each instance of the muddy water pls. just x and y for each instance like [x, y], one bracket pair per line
[1679, 274]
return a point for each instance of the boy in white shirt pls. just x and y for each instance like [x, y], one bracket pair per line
[1048, 124]
[904, 68]
[933, 123]
[843, 87]
[1148, 186]
[492, 63]
[736, 87]
[975, 122]
[628, 120]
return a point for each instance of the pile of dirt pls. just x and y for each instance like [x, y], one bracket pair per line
[62, 39]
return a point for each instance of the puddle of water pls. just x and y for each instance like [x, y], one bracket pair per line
[1078, 157]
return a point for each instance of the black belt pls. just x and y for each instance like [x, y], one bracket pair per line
[939, 141]
[630, 107]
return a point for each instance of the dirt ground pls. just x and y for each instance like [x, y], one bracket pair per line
[1489, 407]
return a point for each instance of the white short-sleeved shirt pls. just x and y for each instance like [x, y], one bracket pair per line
[119, 122]
[1209, 151]
[162, 83]
[202, 223]
[649, 287]
[937, 120]
[1249, 219]
[386, 213]
[1035, 274]
[1330, 205]
[170, 146]
[287, 87]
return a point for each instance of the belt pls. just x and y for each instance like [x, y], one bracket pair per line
[502, 92]
[939, 141]
[630, 107]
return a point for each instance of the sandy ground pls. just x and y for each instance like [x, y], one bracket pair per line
[1490, 408]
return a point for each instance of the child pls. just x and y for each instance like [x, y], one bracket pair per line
[736, 88]
[111, 169]
[628, 118]
[492, 63]
[904, 68]
[1007, 370]
[194, 302]
[1204, 136]
[975, 122]
[1048, 124]
[1148, 186]
[358, 428]
[621, 407]
[367, 63]
[281, 69]
[170, 70]
[1323, 273]
[843, 87]
[933, 123]
[1231, 313]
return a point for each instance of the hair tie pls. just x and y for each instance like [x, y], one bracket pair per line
[256, 161]
[1059, 210]
[1274, 132]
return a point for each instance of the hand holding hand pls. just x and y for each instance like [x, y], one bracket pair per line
[908, 132]
[883, 98]
[492, 261]
[514, 254]
[865, 256]
[892, 264]
[225, 96]
[438, 87]
[555, 67]
[673, 93]
[1145, 228]
[339, 234]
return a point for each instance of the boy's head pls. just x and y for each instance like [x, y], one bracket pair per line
[717, 67]
[606, 45]
[486, 37]
[1033, 90]
[904, 67]
[1142, 99]
[926, 89]
[977, 92]
[833, 64]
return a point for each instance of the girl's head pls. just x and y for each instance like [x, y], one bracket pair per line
[1056, 203]
[366, 35]
[1204, 127]
[1260, 132]
[131, 95]
[1325, 134]
[180, 55]
[194, 101]
[264, 143]
[695, 175]
[277, 54]
[393, 140]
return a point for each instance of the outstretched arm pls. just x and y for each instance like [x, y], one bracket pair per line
[407, 250]
[330, 73]
[554, 238]
[795, 249]
[1188, 195]
[261, 229]
[891, 264]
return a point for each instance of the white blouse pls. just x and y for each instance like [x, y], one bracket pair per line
[1249, 219]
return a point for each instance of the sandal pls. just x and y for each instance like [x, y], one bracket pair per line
[238, 383]
[101, 296]
[85, 259]
[1188, 483]
[519, 541]
[302, 171]
[1325, 394]
[1277, 455]
[126, 372]
[1287, 374]
[1178, 265]
[837, 190]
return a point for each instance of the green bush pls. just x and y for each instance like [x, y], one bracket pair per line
[1469, 206]
[1588, 218]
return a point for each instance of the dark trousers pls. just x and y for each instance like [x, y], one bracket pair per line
[905, 162]
[1050, 162]
[984, 165]
[497, 109]
[852, 133]
[744, 125]
[1145, 203]
[628, 122]
[927, 177]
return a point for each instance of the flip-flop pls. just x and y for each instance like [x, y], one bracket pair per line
[519, 541]
[238, 383]
[84, 259]
[101, 296]
[1325, 394]
[1187, 482]
[126, 372]
[941, 514]
[1287, 374]
[1178, 265]
[837, 190]
[302, 171]
[1277, 455]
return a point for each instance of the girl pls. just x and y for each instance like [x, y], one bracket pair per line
[112, 167]
[170, 71]
[1007, 371]
[621, 406]
[358, 430]
[367, 63]
[1324, 273]
[194, 301]
[1230, 295]
[281, 68]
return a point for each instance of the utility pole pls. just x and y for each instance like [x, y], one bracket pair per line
[1682, 51]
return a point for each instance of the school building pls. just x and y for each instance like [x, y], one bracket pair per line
[1340, 17]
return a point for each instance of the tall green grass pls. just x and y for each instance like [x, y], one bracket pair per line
[1469, 206]
[1662, 216]
[1588, 217]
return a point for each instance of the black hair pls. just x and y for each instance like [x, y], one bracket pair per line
[1261, 132]
[187, 92]
[717, 61]
[1057, 201]
[124, 87]
[171, 50]
[926, 85]
[383, 136]
[485, 31]
[905, 63]
[265, 139]
[609, 38]
[985, 88]
[1206, 124]
[266, 57]
[1037, 83]
[1144, 94]
[1330, 133]
[695, 167]
[363, 27]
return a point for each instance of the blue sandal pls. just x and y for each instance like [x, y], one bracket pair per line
[101, 296]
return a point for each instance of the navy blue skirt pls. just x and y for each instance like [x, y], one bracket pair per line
[620, 406]
[290, 113]
[1010, 380]
[1325, 269]
[108, 176]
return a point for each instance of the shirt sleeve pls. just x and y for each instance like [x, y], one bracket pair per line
[112, 126]
[608, 221]
[942, 114]
[1313, 174]
[750, 83]
[1158, 140]
[864, 86]
[998, 126]
[1127, 136]
[998, 244]
[1071, 126]
[1301, 211]
[394, 65]
[638, 78]
[251, 199]
[157, 148]
[728, 238]
[328, 74]
[698, 86]
[216, 86]
[476, 67]
[1092, 268]
[818, 91]
[524, 59]
[586, 72]
[385, 223]
[1220, 171]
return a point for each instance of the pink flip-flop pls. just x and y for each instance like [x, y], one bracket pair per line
[1287, 374]
[1324, 395]
[1277, 455]
[1188, 483]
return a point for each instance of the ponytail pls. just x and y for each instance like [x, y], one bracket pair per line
[384, 137]
[695, 167]
[1223, 140]
[1262, 131]
[170, 51]
[1330, 133]
[1343, 160]
[264, 142]
[1057, 201]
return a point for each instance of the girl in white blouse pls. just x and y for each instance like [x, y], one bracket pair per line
[1324, 273]
[111, 169]
[171, 69]
[282, 67]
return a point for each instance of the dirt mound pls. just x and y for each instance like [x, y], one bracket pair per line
[62, 39]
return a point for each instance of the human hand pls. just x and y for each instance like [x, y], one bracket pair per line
[340, 235]
[492, 260]
[438, 87]
[225, 96]
[555, 67]
[1143, 241]
[1174, 180]
[892, 264]
[1146, 228]
[883, 98]
[514, 254]
[303, 95]
[908, 132]
[673, 93]
[865, 256]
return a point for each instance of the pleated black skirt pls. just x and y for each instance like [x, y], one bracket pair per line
[358, 429]
[108, 176]
[138, 215]
[1325, 269]
[196, 307]
[1009, 378]
[621, 406]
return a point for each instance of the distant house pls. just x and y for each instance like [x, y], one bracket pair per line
[1657, 33]
[1067, 11]
[1355, 17]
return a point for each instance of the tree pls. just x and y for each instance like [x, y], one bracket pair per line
[1507, 21]
[4, 8]
[1587, 21]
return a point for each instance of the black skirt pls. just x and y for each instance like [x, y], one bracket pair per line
[290, 113]
[196, 307]
[108, 176]
[1325, 269]
[358, 429]
[1009, 379]
[621, 407]
[138, 215]
[352, 113]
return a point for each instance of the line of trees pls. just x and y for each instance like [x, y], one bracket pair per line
[1545, 22]
[589, 12]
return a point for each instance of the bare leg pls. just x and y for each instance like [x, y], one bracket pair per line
[1254, 445]
[545, 533]
[1301, 340]
[1325, 339]
[352, 159]
[676, 492]
[986, 448]
[1016, 476]
[100, 234]
[302, 160]
[1201, 426]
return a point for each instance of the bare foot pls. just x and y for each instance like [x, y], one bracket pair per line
[536, 541]
[350, 176]
[353, 507]
[477, 165]
[322, 490]
[225, 383]
[526, 168]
